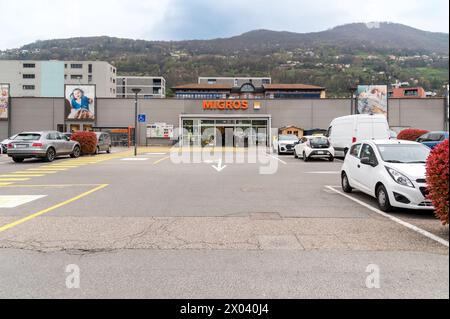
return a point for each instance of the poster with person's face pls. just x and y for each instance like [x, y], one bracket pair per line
[4, 101]
[372, 99]
[80, 102]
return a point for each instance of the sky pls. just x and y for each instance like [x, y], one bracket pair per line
[25, 21]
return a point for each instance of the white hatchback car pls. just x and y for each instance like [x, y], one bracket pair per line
[393, 171]
[314, 147]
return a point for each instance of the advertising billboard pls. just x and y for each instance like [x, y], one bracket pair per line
[372, 99]
[80, 102]
[4, 101]
[160, 130]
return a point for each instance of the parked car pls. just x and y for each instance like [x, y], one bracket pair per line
[4, 144]
[46, 145]
[346, 130]
[285, 143]
[393, 171]
[392, 135]
[432, 139]
[314, 147]
[103, 142]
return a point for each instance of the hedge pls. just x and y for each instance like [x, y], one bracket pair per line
[411, 134]
[87, 140]
[437, 180]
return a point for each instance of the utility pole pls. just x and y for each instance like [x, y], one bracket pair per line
[136, 92]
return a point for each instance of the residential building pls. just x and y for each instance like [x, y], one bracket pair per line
[407, 92]
[247, 90]
[47, 78]
[235, 81]
[151, 86]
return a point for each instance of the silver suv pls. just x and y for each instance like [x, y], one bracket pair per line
[46, 145]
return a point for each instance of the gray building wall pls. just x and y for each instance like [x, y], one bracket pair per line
[47, 113]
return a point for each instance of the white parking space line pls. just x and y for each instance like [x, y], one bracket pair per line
[394, 219]
[12, 201]
[278, 159]
[324, 172]
[134, 159]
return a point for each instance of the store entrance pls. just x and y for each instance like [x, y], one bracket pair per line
[225, 132]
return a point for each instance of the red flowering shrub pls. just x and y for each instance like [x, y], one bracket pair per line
[411, 134]
[437, 180]
[87, 140]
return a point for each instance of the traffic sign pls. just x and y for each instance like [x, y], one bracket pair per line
[142, 118]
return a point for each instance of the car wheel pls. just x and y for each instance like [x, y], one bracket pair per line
[331, 159]
[76, 152]
[18, 159]
[97, 150]
[305, 158]
[50, 155]
[108, 150]
[295, 154]
[345, 183]
[279, 152]
[345, 152]
[383, 199]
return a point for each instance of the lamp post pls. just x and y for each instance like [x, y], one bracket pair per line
[136, 92]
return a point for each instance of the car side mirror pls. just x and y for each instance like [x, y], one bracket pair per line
[366, 161]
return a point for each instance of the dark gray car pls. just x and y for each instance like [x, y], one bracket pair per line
[103, 142]
[46, 145]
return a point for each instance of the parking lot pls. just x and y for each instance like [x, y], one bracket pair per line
[151, 227]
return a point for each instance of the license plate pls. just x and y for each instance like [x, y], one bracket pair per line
[320, 152]
[21, 145]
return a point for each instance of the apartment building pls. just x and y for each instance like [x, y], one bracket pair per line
[407, 92]
[152, 87]
[47, 78]
[235, 81]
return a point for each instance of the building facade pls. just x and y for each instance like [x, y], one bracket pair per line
[249, 121]
[151, 86]
[235, 81]
[407, 92]
[248, 90]
[47, 78]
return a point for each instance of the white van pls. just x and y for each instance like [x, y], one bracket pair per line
[346, 130]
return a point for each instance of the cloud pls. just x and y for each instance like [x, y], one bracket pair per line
[30, 20]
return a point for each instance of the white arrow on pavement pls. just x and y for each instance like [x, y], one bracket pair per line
[219, 166]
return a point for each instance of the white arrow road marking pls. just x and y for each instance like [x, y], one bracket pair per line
[275, 157]
[219, 166]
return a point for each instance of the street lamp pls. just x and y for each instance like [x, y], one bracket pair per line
[136, 92]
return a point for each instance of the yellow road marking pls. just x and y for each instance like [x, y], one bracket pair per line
[12, 185]
[5, 184]
[160, 160]
[42, 212]
[22, 175]
[13, 179]
[36, 172]
[47, 169]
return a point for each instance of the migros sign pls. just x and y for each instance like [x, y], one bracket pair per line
[225, 105]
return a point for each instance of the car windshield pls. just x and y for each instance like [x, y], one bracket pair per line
[287, 137]
[404, 153]
[27, 137]
[319, 141]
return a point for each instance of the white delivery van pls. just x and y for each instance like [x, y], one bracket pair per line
[346, 130]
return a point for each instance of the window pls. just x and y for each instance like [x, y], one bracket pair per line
[65, 65]
[367, 151]
[65, 76]
[354, 151]
[90, 78]
[28, 87]
[29, 76]
[411, 93]
[76, 76]
[29, 65]
[265, 81]
[90, 68]
[76, 66]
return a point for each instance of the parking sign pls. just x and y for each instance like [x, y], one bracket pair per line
[142, 118]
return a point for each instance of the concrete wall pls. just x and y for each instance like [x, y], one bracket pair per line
[47, 113]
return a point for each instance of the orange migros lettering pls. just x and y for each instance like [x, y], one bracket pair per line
[225, 105]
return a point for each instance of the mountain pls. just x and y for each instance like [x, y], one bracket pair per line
[335, 58]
